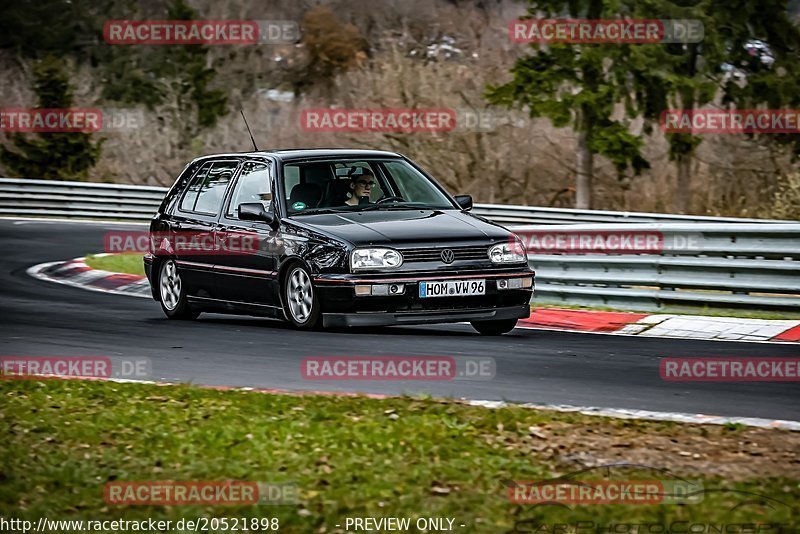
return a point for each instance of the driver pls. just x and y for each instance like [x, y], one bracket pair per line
[362, 180]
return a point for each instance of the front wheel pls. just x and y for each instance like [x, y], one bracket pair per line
[172, 294]
[494, 328]
[300, 301]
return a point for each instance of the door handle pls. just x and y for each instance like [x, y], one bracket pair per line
[221, 237]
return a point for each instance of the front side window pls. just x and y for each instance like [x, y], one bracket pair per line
[254, 185]
[415, 187]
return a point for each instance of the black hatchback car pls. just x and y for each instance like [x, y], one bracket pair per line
[334, 238]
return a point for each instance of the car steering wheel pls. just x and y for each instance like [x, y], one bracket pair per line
[387, 199]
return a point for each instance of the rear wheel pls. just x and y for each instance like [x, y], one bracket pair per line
[172, 294]
[494, 328]
[300, 301]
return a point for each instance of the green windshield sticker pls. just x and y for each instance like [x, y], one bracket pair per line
[299, 206]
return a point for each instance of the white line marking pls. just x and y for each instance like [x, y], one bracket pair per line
[617, 413]
[624, 413]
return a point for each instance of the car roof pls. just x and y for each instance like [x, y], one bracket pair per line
[311, 153]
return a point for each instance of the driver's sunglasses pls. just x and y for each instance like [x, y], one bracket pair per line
[365, 183]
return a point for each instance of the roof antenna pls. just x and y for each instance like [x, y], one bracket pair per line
[248, 130]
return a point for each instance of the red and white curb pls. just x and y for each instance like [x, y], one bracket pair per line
[699, 327]
[77, 274]
[618, 413]
[665, 325]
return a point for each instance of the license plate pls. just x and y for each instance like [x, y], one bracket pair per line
[452, 288]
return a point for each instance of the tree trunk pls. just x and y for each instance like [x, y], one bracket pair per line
[583, 179]
[682, 196]
[683, 160]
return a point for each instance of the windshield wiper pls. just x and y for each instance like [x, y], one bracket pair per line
[318, 211]
[376, 207]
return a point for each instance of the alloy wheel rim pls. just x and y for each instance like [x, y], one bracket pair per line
[170, 284]
[300, 295]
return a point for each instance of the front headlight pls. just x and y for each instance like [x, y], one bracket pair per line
[375, 258]
[513, 252]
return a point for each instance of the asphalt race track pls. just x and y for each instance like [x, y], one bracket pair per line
[47, 319]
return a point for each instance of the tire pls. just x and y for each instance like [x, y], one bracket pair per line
[494, 328]
[300, 302]
[172, 294]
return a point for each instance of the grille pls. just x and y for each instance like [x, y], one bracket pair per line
[435, 254]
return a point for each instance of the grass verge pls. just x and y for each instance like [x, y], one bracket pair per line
[130, 263]
[361, 457]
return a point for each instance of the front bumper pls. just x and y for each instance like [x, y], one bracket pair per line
[426, 317]
[341, 306]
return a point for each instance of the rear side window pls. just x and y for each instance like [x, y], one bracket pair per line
[190, 198]
[207, 190]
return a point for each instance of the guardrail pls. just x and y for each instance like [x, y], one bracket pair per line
[49, 198]
[136, 203]
[534, 215]
[715, 265]
[738, 262]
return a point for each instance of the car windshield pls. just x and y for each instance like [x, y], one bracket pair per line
[358, 185]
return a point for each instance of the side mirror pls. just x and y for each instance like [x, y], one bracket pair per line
[254, 211]
[465, 201]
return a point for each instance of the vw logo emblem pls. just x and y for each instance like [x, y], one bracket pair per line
[448, 256]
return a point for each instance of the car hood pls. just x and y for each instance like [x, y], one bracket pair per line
[405, 227]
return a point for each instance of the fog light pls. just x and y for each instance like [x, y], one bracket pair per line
[380, 289]
[514, 283]
[388, 289]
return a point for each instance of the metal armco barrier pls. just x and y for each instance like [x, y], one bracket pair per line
[705, 261]
[714, 265]
[135, 203]
[81, 200]
[532, 215]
